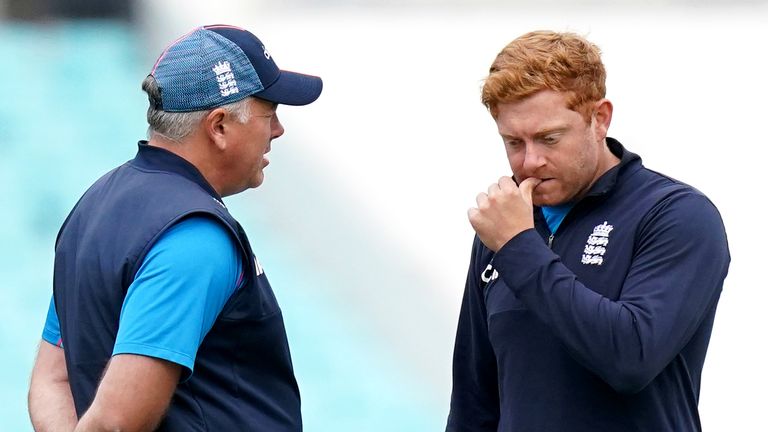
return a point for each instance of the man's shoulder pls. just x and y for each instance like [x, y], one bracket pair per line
[665, 197]
[653, 186]
[147, 202]
[146, 191]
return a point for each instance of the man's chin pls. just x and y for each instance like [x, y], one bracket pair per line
[257, 180]
[545, 201]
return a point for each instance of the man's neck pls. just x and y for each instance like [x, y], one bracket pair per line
[193, 151]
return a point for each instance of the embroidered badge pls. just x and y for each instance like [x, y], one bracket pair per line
[225, 78]
[596, 245]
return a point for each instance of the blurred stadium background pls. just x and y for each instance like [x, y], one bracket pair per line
[361, 222]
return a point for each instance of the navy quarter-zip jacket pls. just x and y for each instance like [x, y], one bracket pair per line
[603, 326]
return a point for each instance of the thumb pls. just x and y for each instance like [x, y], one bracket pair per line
[527, 187]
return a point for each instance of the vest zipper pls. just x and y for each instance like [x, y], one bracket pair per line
[551, 239]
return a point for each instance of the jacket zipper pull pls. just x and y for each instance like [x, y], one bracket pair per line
[551, 239]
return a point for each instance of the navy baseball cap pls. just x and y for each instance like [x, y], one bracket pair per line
[219, 64]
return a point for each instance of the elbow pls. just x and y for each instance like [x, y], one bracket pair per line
[114, 421]
[629, 380]
[628, 385]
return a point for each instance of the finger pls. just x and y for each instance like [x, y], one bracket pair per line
[507, 184]
[473, 215]
[527, 187]
[493, 188]
[481, 199]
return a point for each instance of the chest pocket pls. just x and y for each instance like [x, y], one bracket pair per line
[253, 301]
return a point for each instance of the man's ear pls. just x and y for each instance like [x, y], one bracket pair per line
[602, 117]
[216, 127]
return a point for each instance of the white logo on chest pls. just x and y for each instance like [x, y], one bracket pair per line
[596, 245]
[225, 78]
[489, 274]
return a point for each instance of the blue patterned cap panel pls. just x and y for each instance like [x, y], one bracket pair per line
[202, 71]
[220, 64]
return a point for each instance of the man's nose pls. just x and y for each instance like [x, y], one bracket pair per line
[277, 127]
[533, 159]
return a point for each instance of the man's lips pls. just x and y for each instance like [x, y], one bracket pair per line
[541, 179]
[544, 182]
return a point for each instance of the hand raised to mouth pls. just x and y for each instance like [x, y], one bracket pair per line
[503, 212]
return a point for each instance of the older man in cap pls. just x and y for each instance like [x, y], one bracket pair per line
[161, 317]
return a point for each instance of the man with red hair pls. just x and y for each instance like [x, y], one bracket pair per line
[593, 281]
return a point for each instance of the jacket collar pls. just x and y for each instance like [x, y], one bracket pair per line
[628, 163]
[154, 158]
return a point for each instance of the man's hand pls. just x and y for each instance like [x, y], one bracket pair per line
[504, 212]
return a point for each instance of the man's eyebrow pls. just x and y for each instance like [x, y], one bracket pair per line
[505, 136]
[554, 130]
[539, 134]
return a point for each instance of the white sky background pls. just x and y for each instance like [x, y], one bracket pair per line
[400, 135]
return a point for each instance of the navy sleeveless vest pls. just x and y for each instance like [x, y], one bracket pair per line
[243, 377]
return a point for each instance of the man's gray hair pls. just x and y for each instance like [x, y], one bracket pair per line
[175, 126]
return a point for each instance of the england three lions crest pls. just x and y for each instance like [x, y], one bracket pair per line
[225, 78]
[597, 243]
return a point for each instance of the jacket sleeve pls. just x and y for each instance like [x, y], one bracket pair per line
[680, 261]
[474, 399]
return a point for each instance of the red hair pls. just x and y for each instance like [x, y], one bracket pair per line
[547, 60]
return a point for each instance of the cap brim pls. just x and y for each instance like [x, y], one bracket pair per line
[292, 88]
